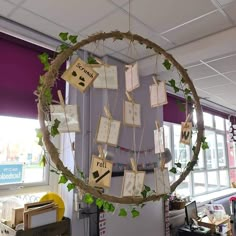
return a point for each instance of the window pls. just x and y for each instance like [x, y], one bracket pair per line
[213, 169]
[20, 155]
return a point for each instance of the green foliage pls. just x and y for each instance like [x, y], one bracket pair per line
[178, 164]
[123, 212]
[63, 47]
[173, 85]
[135, 213]
[63, 179]
[99, 203]
[91, 60]
[64, 36]
[173, 170]
[165, 197]
[109, 207]
[194, 149]
[43, 161]
[204, 143]
[88, 198]
[70, 186]
[147, 191]
[81, 174]
[73, 38]
[187, 91]
[55, 171]
[48, 96]
[44, 57]
[54, 128]
[39, 135]
[167, 64]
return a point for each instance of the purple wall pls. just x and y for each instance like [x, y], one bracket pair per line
[20, 69]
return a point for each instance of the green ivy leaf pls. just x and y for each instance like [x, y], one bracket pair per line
[147, 188]
[204, 143]
[88, 198]
[173, 85]
[182, 81]
[109, 207]
[70, 186]
[39, 135]
[173, 170]
[167, 64]
[63, 47]
[64, 36]
[43, 161]
[54, 128]
[194, 148]
[135, 213]
[54, 171]
[189, 98]
[73, 38]
[99, 203]
[187, 91]
[44, 60]
[144, 193]
[48, 96]
[63, 180]
[165, 197]
[143, 205]
[178, 164]
[123, 212]
[91, 60]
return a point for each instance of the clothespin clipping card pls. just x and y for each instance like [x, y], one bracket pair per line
[186, 131]
[159, 138]
[108, 129]
[162, 181]
[100, 170]
[158, 95]
[133, 181]
[131, 77]
[132, 112]
[80, 75]
[68, 115]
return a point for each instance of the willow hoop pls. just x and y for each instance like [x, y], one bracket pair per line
[49, 80]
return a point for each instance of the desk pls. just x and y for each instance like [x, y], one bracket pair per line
[212, 225]
[185, 231]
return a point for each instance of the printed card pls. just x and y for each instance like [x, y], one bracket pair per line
[100, 172]
[162, 181]
[159, 140]
[107, 77]
[133, 183]
[132, 114]
[80, 75]
[186, 133]
[158, 96]
[68, 117]
[131, 77]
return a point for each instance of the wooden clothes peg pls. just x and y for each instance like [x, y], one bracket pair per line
[133, 165]
[61, 99]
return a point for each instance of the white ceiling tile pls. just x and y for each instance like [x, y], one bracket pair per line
[211, 82]
[201, 93]
[120, 2]
[230, 88]
[225, 64]
[6, 8]
[17, 2]
[122, 57]
[163, 15]
[35, 22]
[200, 71]
[202, 27]
[231, 75]
[74, 14]
[230, 10]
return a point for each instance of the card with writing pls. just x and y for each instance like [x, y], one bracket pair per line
[186, 133]
[131, 77]
[159, 140]
[80, 75]
[158, 96]
[68, 116]
[162, 181]
[132, 114]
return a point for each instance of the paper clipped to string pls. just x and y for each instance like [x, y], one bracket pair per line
[131, 77]
[158, 95]
[132, 114]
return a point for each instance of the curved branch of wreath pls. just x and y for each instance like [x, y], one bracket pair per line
[49, 80]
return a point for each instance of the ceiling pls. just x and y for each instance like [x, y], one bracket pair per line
[201, 34]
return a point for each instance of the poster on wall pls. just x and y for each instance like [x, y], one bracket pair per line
[80, 75]
[158, 95]
[132, 114]
[132, 183]
[107, 78]
[159, 140]
[68, 116]
[131, 77]
[108, 131]
[186, 133]
[100, 172]
[162, 181]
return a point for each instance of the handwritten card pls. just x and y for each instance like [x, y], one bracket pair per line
[100, 172]
[68, 117]
[186, 133]
[159, 140]
[131, 77]
[132, 114]
[80, 75]
[162, 181]
[108, 131]
[158, 96]
[133, 183]
[107, 77]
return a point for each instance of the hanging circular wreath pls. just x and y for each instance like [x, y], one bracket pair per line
[47, 83]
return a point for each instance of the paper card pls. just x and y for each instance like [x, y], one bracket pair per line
[100, 172]
[133, 183]
[159, 140]
[68, 117]
[131, 77]
[80, 75]
[186, 132]
[132, 114]
[158, 96]
[108, 131]
[162, 181]
[107, 77]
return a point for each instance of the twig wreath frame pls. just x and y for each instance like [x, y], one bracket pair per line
[48, 82]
